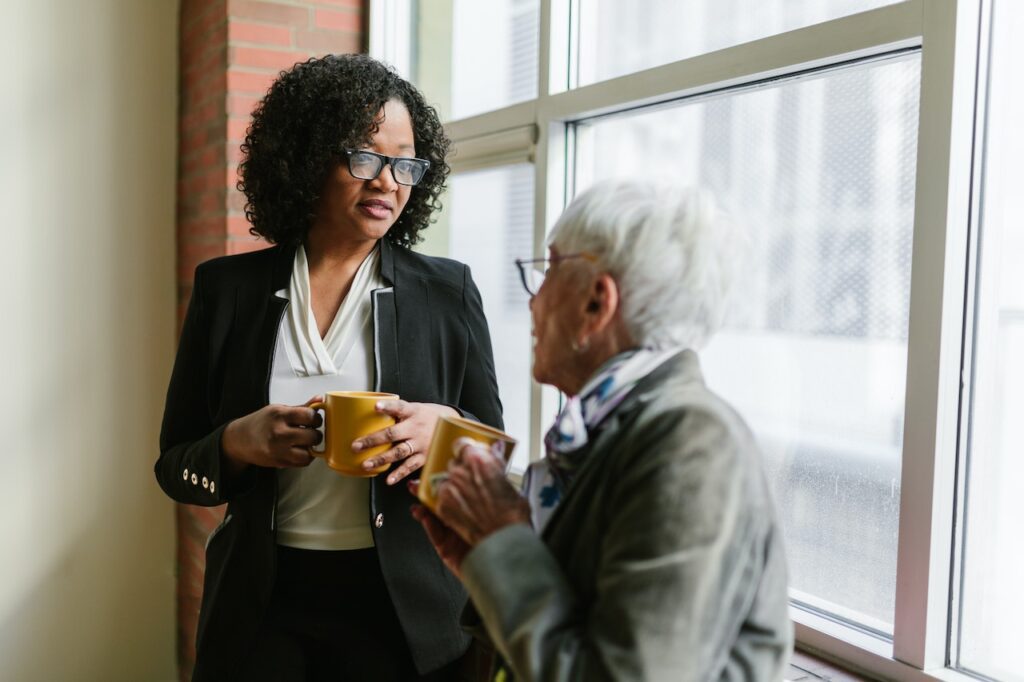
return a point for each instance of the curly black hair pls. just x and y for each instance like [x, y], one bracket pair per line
[298, 134]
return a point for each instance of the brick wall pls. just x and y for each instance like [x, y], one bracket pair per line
[230, 52]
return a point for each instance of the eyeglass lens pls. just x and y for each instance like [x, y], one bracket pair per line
[367, 166]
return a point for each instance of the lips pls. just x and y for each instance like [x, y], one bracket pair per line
[376, 208]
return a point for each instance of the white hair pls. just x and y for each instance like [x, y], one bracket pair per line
[671, 252]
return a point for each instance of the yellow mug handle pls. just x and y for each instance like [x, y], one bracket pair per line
[320, 405]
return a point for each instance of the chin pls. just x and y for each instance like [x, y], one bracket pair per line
[540, 373]
[375, 230]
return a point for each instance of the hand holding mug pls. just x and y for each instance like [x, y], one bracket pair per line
[276, 436]
[449, 546]
[476, 499]
[409, 437]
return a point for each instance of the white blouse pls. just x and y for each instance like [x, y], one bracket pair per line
[318, 508]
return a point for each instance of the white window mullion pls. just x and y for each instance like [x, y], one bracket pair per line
[391, 33]
[857, 36]
[549, 167]
[942, 209]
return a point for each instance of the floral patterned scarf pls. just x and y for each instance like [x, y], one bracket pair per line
[546, 481]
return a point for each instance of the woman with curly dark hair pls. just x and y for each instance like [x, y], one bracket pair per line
[312, 574]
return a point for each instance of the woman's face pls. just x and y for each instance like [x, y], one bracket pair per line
[557, 312]
[366, 209]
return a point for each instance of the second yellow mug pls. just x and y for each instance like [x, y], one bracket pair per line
[447, 431]
[349, 415]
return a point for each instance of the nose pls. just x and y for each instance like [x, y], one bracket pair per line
[385, 180]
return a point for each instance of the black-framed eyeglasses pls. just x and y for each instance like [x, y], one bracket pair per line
[533, 276]
[367, 165]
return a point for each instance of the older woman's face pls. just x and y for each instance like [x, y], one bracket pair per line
[366, 209]
[557, 312]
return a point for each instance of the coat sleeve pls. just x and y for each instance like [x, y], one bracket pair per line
[479, 396]
[189, 466]
[679, 566]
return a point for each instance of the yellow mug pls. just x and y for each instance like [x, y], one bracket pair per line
[446, 432]
[349, 415]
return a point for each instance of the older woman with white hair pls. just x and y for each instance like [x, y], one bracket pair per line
[645, 545]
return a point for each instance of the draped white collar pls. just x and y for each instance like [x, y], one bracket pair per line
[327, 355]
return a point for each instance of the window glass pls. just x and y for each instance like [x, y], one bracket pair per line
[618, 37]
[992, 597]
[820, 170]
[469, 57]
[487, 224]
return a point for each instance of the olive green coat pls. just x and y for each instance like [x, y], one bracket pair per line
[663, 561]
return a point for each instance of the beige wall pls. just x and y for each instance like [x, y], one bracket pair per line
[87, 173]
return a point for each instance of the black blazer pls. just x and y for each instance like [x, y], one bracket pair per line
[431, 344]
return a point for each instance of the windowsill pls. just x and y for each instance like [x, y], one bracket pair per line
[806, 668]
[831, 651]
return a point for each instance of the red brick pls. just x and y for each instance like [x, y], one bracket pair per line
[212, 226]
[259, 58]
[196, 27]
[233, 155]
[328, 42]
[212, 85]
[246, 81]
[236, 129]
[210, 202]
[199, 112]
[245, 244]
[192, 162]
[236, 201]
[338, 20]
[208, 60]
[194, 12]
[246, 32]
[270, 12]
[238, 226]
[203, 135]
[203, 181]
[241, 105]
[354, 4]
[193, 140]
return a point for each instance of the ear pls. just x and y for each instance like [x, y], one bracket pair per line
[602, 304]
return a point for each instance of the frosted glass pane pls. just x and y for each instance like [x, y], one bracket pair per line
[469, 57]
[992, 599]
[618, 37]
[821, 172]
[490, 217]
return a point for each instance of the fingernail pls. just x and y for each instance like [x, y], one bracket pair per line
[357, 446]
[370, 464]
[379, 406]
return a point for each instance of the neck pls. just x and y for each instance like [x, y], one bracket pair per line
[324, 251]
[598, 352]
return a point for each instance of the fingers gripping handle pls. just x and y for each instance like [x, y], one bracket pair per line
[319, 450]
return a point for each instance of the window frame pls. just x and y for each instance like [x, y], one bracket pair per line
[949, 35]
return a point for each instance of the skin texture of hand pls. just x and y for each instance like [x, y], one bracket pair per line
[278, 436]
[477, 499]
[449, 546]
[410, 436]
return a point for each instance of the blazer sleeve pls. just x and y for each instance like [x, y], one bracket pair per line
[679, 565]
[189, 466]
[478, 399]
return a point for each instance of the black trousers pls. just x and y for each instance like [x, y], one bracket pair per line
[330, 618]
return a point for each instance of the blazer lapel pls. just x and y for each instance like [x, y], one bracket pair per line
[279, 279]
[385, 325]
